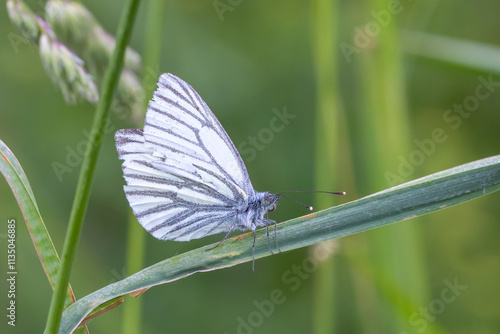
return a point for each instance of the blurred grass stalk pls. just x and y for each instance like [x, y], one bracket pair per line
[82, 193]
[324, 33]
[463, 53]
[136, 249]
[396, 260]
[136, 236]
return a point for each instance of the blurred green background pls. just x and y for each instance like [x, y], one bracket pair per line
[262, 56]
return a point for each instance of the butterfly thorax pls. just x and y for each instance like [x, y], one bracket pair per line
[254, 215]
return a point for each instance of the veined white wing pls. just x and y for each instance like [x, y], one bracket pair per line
[185, 178]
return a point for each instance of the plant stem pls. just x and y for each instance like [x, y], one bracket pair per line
[324, 37]
[88, 166]
[136, 236]
[385, 118]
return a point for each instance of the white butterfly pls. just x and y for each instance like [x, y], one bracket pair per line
[185, 178]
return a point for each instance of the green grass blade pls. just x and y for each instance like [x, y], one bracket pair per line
[18, 182]
[384, 116]
[324, 36]
[82, 194]
[410, 200]
[463, 53]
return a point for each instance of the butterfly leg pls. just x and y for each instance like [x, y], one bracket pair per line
[275, 236]
[268, 243]
[253, 248]
[267, 222]
[228, 232]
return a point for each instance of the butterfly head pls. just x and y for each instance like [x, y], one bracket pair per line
[268, 202]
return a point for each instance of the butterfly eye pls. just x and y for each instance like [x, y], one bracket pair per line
[272, 208]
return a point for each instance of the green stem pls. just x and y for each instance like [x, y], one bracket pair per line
[136, 243]
[324, 37]
[88, 166]
[327, 97]
[384, 117]
[136, 240]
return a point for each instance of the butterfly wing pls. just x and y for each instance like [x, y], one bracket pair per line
[185, 178]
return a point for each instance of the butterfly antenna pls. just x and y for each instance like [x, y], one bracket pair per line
[293, 199]
[312, 191]
[280, 194]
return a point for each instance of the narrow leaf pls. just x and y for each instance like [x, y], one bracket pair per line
[464, 53]
[409, 200]
[18, 182]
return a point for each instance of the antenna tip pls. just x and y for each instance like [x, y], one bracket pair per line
[342, 193]
[310, 208]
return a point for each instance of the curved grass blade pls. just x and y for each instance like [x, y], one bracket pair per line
[18, 182]
[406, 201]
[460, 52]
